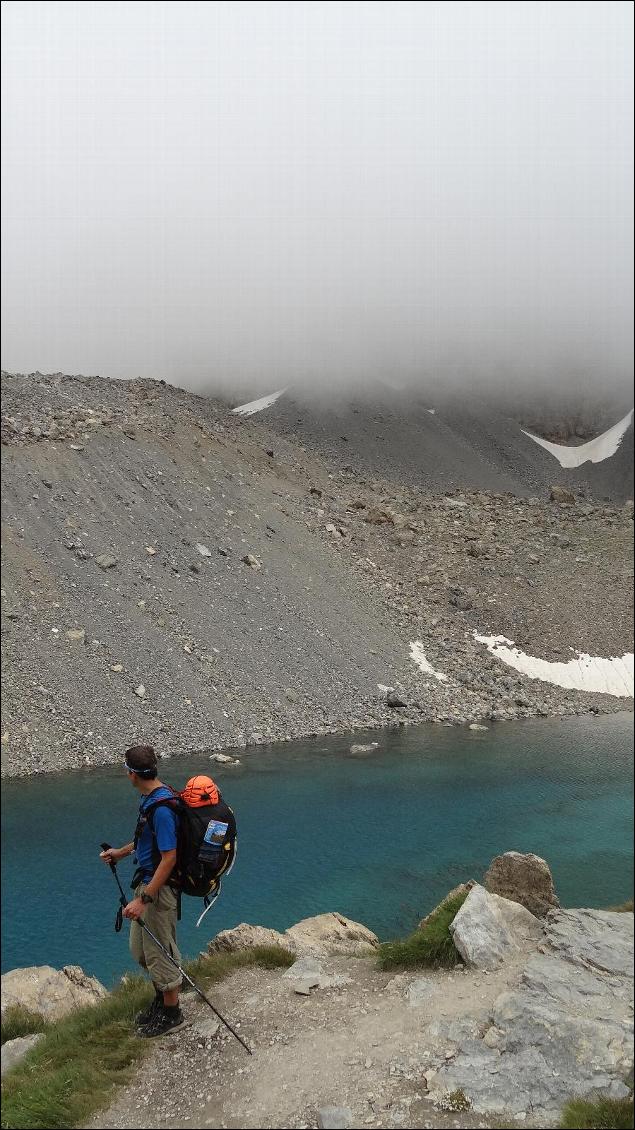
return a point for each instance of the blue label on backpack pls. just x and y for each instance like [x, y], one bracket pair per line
[216, 833]
[211, 848]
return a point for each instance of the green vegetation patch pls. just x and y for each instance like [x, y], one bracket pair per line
[74, 1068]
[18, 1021]
[431, 946]
[598, 1114]
[623, 907]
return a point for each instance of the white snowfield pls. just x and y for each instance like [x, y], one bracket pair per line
[418, 656]
[585, 673]
[258, 405]
[595, 451]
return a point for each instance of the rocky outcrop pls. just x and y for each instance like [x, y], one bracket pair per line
[523, 878]
[593, 939]
[488, 928]
[331, 934]
[244, 937]
[15, 1050]
[566, 1029]
[325, 935]
[52, 993]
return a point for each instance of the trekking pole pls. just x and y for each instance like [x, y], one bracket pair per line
[124, 902]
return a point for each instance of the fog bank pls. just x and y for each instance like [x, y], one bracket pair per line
[239, 197]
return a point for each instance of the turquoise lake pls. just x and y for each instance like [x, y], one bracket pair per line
[379, 838]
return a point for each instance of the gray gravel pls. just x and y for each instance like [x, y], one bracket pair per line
[167, 579]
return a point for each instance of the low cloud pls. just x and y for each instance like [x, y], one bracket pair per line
[238, 197]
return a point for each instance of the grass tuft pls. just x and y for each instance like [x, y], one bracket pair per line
[598, 1114]
[431, 946]
[73, 1070]
[623, 907]
[18, 1021]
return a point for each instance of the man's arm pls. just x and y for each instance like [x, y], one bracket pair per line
[113, 855]
[136, 908]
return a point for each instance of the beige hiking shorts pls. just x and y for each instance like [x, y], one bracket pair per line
[160, 917]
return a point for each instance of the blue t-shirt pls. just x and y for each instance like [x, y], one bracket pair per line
[164, 822]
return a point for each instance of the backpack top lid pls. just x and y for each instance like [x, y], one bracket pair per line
[199, 792]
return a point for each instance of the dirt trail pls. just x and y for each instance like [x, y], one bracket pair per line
[363, 1045]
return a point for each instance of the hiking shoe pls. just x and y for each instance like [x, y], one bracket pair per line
[163, 1021]
[150, 1012]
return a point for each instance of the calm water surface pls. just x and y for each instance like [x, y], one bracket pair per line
[380, 838]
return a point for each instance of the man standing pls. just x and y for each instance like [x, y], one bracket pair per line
[155, 901]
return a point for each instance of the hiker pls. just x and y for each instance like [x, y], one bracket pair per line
[155, 901]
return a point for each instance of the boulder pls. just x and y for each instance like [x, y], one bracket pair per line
[244, 937]
[393, 700]
[106, 561]
[15, 1050]
[332, 934]
[52, 993]
[487, 929]
[565, 1030]
[325, 935]
[523, 878]
[561, 494]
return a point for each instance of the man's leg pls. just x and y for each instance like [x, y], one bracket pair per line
[160, 918]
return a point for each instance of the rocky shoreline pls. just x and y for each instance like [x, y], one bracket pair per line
[537, 1009]
[176, 573]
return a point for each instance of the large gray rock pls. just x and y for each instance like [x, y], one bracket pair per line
[15, 1050]
[52, 993]
[487, 929]
[523, 878]
[565, 1030]
[595, 939]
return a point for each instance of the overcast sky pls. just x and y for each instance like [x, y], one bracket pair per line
[248, 195]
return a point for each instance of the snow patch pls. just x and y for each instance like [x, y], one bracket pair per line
[258, 405]
[418, 656]
[585, 673]
[595, 451]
